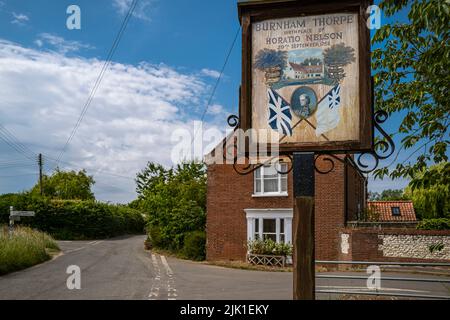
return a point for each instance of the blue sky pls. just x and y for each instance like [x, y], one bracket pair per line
[163, 72]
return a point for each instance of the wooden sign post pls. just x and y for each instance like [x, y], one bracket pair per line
[303, 225]
[15, 216]
[306, 83]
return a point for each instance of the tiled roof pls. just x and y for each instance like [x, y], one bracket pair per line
[306, 69]
[384, 208]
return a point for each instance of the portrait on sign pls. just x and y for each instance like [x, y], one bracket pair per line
[305, 74]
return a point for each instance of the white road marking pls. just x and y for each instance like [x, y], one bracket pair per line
[154, 292]
[75, 250]
[166, 265]
[171, 290]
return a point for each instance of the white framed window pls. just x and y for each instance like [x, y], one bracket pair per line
[275, 224]
[268, 182]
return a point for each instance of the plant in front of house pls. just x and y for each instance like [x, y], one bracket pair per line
[269, 247]
[268, 252]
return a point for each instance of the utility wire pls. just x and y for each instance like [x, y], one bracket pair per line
[98, 172]
[14, 143]
[218, 81]
[99, 78]
[16, 140]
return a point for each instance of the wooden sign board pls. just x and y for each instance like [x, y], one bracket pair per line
[306, 74]
[22, 213]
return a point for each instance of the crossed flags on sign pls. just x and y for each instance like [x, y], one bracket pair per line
[327, 114]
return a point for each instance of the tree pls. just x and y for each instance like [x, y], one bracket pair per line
[336, 58]
[388, 195]
[392, 195]
[267, 58]
[412, 76]
[148, 178]
[431, 197]
[175, 200]
[67, 185]
[374, 196]
[312, 61]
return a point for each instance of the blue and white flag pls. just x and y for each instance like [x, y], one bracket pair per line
[327, 114]
[280, 117]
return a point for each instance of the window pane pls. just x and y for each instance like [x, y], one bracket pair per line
[282, 239]
[270, 172]
[258, 173]
[256, 236]
[270, 185]
[269, 226]
[257, 185]
[256, 225]
[284, 184]
[281, 225]
[273, 237]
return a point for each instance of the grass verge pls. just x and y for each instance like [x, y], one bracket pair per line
[25, 248]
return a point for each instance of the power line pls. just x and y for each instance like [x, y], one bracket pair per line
[13, 139]
[14, 143]
[218, 80]
[20, 175]
[99, 78]
[98, 172]
[15, 165]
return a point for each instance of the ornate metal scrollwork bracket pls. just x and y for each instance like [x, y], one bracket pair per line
[383, 149]
[243, 164]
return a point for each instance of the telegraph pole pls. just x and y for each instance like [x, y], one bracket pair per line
[40, 174]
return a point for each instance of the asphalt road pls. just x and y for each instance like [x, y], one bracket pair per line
[121, 269]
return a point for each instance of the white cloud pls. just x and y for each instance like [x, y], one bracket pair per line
[215, 109]
[129, 123]
[19, 18]
[211, 73]
[142, 11]
[60, 44]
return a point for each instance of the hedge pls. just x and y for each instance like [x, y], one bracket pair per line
[71, 220]
[434, 224]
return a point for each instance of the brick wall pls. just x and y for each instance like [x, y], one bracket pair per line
[394, 244]
[229, 194]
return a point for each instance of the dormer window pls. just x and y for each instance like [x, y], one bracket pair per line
[396, 211]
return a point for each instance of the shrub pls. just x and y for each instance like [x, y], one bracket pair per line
[26, 247]
[434, 224]
[269, 247]
[194, 245]
[154, 236]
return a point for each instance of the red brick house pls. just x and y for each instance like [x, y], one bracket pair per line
[239, 208]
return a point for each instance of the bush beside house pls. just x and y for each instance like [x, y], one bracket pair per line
[175, 203]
